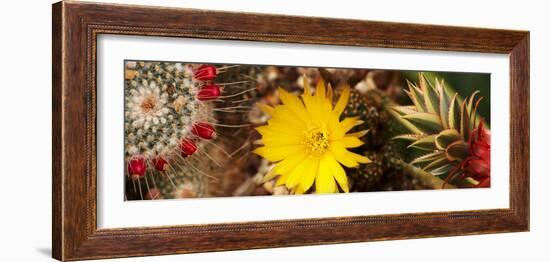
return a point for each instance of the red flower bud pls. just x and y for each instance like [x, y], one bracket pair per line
[204, 130]
[160, 163]
[136, 167]
[205, 73]
[187, 147]
[209, 92]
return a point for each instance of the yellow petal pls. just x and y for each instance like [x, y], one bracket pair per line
[307, 92]
[275, 154]
[330, 93]
[294, 103]
[310, 103]
[266, 108]
[282, 180]
[281, 127]
[320, 90]
[274, 131]
[332, 121]
[345, 126]
[282, 140]
[336, 170]
[318, 107]
[351, 142]
[324, 183]
[297, 191]
[342, 101]
[308, 178]
[315, 109]
[264, 130]
[331, 118]
[288, 164]
[302, 171]
[359, 158]
[285, 114]
[342, 155]
[359, 134]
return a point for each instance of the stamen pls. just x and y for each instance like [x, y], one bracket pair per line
[316, 140]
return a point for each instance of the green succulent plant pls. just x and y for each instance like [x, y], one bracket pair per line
[439, 124]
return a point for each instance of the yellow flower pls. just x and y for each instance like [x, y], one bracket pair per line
[309, 142]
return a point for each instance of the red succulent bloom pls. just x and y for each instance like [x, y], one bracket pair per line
[478, 163]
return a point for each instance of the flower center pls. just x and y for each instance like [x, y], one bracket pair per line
[148, 104]
[316, 139]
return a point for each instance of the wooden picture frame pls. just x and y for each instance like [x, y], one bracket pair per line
[76, 26]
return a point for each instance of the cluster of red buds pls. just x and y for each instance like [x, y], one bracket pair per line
[201, 130]
[206, 74]
[209, 91]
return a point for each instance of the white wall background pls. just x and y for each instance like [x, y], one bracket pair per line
[25, 130]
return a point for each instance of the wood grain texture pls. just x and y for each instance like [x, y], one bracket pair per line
[75, 29]
[57, 196]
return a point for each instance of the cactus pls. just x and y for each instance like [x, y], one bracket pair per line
[387, 168]
[170, 125]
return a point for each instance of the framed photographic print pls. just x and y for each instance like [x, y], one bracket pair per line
[181, 130]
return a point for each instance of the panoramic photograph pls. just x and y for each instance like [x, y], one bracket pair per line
[195, 130]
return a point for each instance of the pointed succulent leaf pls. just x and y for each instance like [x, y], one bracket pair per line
[431, 99]
[454, 113]
[442, 170]
[457, 151]
[409, 137]
[464, 121]
[425, 122]
[404, 110]
[473, 116]
[405, 123]
[428, 157]
[440, 86]
[425, 143]
[471, 100]
[446, 137]
[416, 96]
[470, 107]
[436, 163]
[444, 104]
